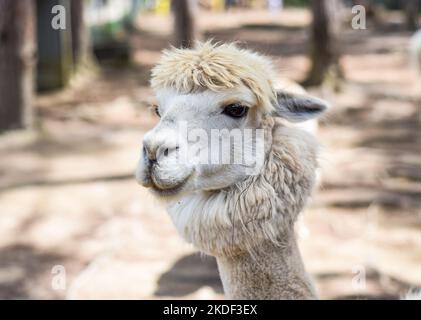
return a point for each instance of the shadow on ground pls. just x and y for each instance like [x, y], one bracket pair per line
[189, 274]
[23, 268]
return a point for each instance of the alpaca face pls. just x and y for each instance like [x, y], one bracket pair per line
[212, 103]
[209, 140]
[204, 141]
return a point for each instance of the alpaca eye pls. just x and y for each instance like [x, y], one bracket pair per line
[156, 110]
[235, 110]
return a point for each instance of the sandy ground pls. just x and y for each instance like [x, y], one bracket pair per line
[74, 224]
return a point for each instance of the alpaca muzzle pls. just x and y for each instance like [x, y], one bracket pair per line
[162, 171]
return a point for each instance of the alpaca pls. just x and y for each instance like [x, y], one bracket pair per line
[243, 217]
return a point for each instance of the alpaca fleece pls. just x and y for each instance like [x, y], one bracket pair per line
[261, 208]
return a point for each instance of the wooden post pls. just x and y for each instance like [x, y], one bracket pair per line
[17, 59]
[55, 62]
[185, 29]
[324, 42]
[81, 49]
[411, 13]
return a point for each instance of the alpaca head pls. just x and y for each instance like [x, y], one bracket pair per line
[212, 100]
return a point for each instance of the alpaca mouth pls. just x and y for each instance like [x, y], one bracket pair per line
[169, 191]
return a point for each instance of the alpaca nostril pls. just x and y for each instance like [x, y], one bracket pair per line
[148, 156]
[166, 152]
[155, 154]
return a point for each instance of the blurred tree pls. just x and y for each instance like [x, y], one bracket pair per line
[80, 34]
[411, 12]
[17, 60]
[136, 5]
[55, 60]
[324, 52]
[185, 29]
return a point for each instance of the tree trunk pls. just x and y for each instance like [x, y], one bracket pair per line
[411, 13]
[184, 23]
[55, 60]
[17, 60]
[80, 34]
[324, 42]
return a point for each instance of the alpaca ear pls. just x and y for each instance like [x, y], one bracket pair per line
[298, 108]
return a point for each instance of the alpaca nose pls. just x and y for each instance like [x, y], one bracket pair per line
[155, 151]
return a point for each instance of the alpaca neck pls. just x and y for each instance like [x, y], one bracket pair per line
[271, 272]
[249, 226]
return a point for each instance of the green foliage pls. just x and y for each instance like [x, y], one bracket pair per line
[392, 4]
[297, 3]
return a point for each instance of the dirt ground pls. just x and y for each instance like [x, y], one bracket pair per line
[74, 224]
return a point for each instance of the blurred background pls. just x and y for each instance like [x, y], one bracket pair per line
[74, 99]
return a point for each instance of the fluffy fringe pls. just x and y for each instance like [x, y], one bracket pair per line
[216, 67]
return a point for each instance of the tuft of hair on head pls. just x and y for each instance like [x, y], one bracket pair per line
[216, 67]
